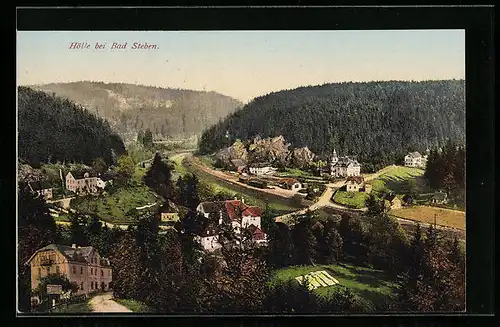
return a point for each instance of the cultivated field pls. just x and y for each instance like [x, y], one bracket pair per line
[444, 217]
[373, 286]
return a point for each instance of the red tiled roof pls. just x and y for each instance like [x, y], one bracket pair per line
[288, 181]
[257, 233]
[233, 207]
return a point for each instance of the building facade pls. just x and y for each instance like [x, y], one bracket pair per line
[415, 160]
[41, 189]
[344, 166]
[234, 212]
[82, 265]
[262, 169]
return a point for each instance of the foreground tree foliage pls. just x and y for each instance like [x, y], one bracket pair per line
[159, 177]
[36, 229]
[435, 279]
[53, 129]
[378, 121]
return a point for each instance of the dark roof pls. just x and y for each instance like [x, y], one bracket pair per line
[79, 254]
[107, 176]
[357, 179]
[40, 185]
[389, 196]
[80, 174]
[414, 154]
[261, 165]
[169, 207]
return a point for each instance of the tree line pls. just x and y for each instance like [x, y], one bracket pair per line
[377, 121]
[53, 129]
[446, 170]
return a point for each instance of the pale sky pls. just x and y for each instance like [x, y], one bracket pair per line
[241, 64]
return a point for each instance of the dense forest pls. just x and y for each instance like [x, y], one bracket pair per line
[377, 121]
[175, 113]
[53, 129]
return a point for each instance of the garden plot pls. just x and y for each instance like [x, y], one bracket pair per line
[317, 279]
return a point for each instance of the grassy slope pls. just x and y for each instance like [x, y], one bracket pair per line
[372, 285]
[114, 207]
[393, 179]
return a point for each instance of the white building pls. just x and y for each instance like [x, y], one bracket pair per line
[416, 160]
[234, 211]
[344, 166]
[262, 169]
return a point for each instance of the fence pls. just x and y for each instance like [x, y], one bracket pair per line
[46, 304]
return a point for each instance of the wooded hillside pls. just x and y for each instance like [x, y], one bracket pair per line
[52, 129]
[378, 121]
[167, 112]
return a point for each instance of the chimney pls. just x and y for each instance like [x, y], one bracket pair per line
[242, 200]
[236, 198]
[73, 246]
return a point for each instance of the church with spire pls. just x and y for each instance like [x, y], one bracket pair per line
[344, 166]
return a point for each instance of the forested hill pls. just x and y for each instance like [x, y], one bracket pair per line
[131, 108]
[372, 120]
[54, 129]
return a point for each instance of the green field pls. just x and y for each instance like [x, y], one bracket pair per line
[133, 305]
[394, 178]
[115, 206]
[295, 172]
[374, 286]
[351, 199]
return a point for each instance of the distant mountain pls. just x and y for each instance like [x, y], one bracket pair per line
[377, 121]
[130, 108]
[53, 129]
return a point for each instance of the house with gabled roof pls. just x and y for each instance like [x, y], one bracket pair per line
[262, 168]
[41, 189]
[290, 184]
[233, 212]
[416, 160]
[354, 183]
[81, 265]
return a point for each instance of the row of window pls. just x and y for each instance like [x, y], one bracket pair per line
[93, 285]
[92, 271]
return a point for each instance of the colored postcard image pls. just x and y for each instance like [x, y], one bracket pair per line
[241, 172]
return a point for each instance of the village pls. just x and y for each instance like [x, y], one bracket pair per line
[85, 266]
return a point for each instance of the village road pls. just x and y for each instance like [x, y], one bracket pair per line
[104, 303]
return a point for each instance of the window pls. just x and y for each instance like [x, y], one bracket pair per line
[109, 272]
[81, 270]
[102, 273]
[74, 270]
[95, 284]
[48, 270]
[57, 270]
[91, 285]
[81, 286]
[91, 271]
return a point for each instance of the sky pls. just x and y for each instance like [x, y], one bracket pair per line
[241, 64]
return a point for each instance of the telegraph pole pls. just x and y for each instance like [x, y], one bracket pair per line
[435, 220]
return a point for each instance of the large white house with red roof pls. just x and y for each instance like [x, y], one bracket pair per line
[237, 213]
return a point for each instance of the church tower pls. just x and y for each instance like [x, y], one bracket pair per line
[335, 158]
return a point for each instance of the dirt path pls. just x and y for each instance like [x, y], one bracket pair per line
[104, 303]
